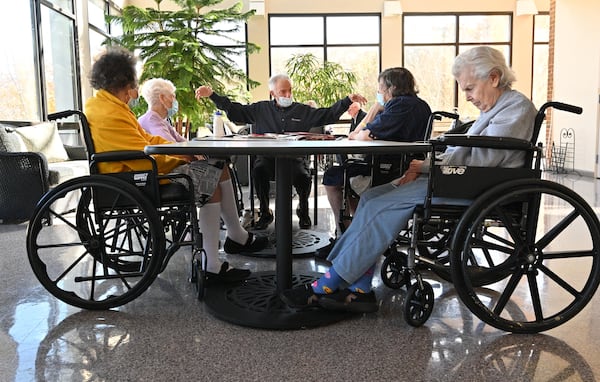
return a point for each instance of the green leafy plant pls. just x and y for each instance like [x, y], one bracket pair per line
[175, 45]
[324, 83]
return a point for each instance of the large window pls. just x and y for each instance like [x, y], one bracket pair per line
[61, 75]
[99, 30]
[18, 82]
[432, 41]
[329, 38]
[43, 78]
[39, 63]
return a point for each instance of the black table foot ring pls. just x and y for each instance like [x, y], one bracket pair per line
[256, 303]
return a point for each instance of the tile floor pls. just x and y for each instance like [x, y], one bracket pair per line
[167, 335]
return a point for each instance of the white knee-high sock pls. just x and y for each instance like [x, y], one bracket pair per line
[210, 227]
[229, 213]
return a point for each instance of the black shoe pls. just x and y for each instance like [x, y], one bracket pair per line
[323, 252]
[253, 244]
[301, 297]
[265, 219]
[227, 275]
[348, 301]
[305, 221]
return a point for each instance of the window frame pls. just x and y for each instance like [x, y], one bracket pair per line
[325, 44]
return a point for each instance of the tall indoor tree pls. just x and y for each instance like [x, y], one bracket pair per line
[175, 45]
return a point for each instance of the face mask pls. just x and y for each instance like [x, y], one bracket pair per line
[284, 101]
[133, 102]
[173, 109]
[380, 99]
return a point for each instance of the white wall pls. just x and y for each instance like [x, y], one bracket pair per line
[577, 77]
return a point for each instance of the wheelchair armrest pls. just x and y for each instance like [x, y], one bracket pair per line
[505, 143]
[116, 156]
[350, 161]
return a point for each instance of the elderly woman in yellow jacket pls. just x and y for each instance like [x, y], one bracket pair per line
[114, 127]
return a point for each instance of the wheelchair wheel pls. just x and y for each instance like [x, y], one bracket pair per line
[86, 231]
[392, 269]
[542, 243]
[418, 304]
[101, 254]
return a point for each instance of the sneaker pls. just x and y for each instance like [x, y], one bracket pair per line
[305, 221]
[227, 275]
[323, 252]
[300, 297]
[348, 301]
[253, 244]
[265, 219]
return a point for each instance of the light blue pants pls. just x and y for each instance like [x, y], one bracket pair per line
[382, 213]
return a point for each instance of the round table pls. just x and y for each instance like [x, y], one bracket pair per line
[256, 301]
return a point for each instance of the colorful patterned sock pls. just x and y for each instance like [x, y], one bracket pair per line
[328, 283]
[363, 284]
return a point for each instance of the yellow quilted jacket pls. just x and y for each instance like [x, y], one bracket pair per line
[114, 127]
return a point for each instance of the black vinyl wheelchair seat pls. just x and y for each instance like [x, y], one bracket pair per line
[521, 252]
[99, 241]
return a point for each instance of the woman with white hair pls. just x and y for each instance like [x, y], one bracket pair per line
[159, 93]
[162, 104]
[483, 75]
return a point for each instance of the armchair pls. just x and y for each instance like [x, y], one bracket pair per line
[24, 180]
[32, 159]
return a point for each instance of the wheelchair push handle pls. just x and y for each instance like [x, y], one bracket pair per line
[562, 106]
[437, 115]
[64, 114]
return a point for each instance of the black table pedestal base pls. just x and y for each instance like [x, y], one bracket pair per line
[305, 243]
[256, 303]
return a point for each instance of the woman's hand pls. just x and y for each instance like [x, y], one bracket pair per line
[360, 135]
[186, 158]
[412, 173]
[203, 91]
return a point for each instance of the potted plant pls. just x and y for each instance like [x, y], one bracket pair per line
[172, 45]
[324, 83]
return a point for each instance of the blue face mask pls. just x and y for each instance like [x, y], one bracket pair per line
[173, 109]
[284, 101]
[380, 99]
[133, 102]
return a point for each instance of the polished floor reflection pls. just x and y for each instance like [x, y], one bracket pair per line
[166, 334]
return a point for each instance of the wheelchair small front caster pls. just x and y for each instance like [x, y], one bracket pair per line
[193, 273]
[198, 274]
[393, 270]
[418, 304]
[200, 281]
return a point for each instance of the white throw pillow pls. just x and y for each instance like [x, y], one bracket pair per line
[43, 138]
[10, 141]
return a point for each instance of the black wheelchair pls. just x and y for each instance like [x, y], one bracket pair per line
[385, 168]
[522, 252]
[99, 241]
